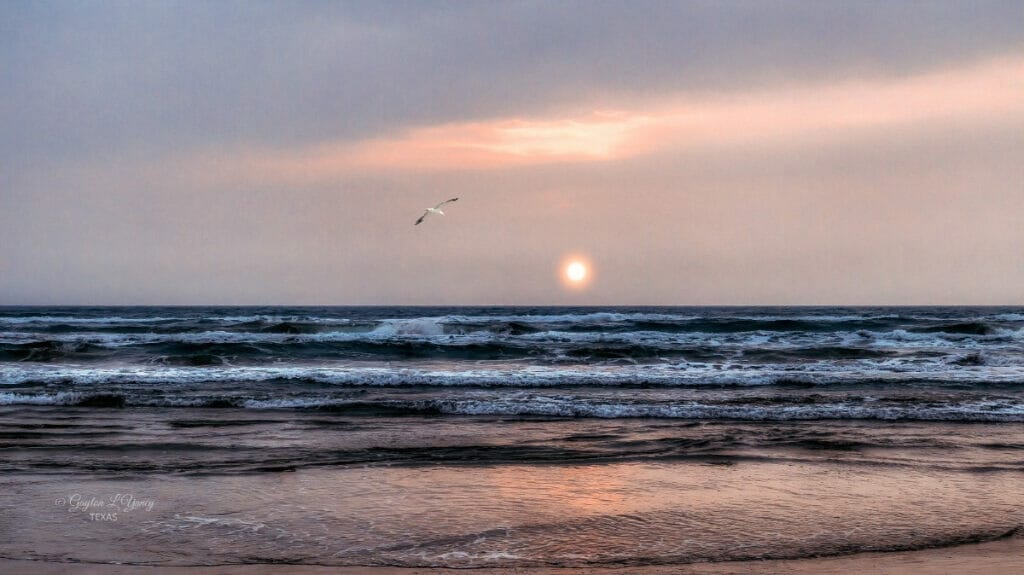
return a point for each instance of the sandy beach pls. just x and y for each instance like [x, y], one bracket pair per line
[1005, 557]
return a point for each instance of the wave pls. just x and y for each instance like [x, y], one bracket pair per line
[607, 322]
[461, 374]
[425, 339]
[474, 348]
[69, 319]
[640, 326]
[563, 408]
[968, 328]
[710, 321]
[48, 350]
[554, 545]
[791, 409]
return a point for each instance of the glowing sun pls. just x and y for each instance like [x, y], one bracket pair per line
[576, 271]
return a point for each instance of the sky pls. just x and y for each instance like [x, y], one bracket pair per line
[692, 152]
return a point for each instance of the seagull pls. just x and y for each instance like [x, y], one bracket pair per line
[434, 210]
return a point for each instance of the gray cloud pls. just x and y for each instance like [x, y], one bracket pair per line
[97, 76]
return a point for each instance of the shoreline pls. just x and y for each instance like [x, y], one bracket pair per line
[1000, 557]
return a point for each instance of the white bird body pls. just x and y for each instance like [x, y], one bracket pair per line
[434, 210]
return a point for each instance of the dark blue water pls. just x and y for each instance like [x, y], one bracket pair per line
[964, 364]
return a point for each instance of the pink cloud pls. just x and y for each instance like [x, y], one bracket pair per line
[983, 92]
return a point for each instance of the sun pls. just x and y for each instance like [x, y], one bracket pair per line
[576, 271]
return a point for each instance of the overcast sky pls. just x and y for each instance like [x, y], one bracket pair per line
[759, 152]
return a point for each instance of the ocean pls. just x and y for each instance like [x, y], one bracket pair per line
[505, 436]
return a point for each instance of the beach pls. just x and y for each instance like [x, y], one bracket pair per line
[405, 440]
[997, 558]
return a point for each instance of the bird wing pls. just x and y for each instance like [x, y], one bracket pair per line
[420, 221]
[446, 202]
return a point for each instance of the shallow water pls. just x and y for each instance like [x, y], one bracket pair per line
[513, 515]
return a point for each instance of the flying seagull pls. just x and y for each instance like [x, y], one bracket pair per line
[434, 210]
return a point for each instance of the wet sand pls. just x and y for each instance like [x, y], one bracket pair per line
[727, 514]
[1005, 557]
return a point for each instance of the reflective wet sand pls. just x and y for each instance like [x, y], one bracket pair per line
[620, 514]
